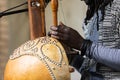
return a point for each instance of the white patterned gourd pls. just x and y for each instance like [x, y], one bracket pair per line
[41, 59]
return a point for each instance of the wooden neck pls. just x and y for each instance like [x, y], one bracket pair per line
[36, 18]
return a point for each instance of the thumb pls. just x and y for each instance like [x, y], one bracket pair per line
[61, 23]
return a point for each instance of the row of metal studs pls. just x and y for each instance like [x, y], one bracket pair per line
[58, 64]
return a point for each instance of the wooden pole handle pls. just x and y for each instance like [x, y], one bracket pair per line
[54, 6]
[36, 18]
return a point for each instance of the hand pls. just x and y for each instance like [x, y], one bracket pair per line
[67, 35]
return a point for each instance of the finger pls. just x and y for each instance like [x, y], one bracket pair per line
[62, 24]
[53, 28]
[54, 33]
[59, 28]
[56, 37]
[63, 29]
[60, 36]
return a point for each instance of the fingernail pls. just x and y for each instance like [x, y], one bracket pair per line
[53, 32]
[54, 28]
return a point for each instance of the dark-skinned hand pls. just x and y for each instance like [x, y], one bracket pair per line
[67, 35]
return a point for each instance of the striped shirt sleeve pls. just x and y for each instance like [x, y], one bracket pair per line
[108, 56]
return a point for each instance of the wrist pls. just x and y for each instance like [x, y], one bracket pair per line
[85, 47]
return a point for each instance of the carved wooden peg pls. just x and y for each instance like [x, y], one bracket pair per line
[54, 6]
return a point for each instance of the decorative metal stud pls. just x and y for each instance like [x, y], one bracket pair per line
[53, 68]
[35, 4]
[64, 63]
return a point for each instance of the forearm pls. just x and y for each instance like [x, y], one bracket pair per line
[107, 56]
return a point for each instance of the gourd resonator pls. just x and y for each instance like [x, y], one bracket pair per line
[43, 58]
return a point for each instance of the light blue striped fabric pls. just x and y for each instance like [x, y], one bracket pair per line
[108, 35]
[90, 30]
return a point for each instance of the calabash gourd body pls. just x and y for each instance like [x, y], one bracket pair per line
[41, 59]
